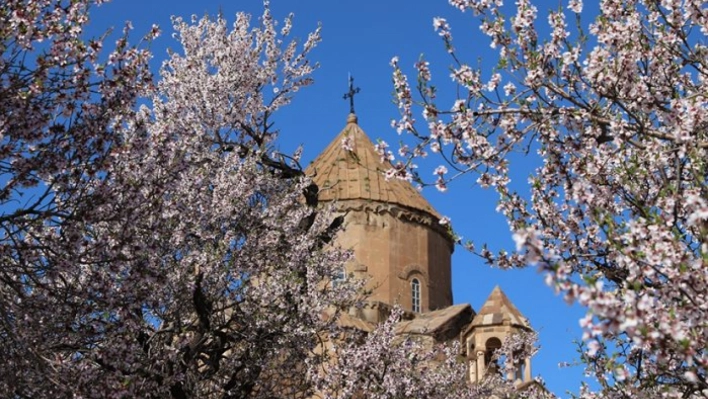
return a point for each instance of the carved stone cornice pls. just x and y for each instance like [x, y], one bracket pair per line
[396, 211]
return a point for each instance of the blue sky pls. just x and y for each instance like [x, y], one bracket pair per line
[361, 37]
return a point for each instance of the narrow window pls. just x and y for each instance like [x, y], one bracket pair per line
[338, 278]
[415, 295]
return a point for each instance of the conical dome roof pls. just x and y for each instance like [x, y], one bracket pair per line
[357, 173]
[498, 309]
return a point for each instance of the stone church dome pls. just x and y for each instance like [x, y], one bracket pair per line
[404, 253]
[357, 173]
[399, 245]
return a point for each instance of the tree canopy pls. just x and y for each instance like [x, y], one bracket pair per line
[617, 213]
[154, 242]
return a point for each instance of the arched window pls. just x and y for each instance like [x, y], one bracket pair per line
[415, 295]
[491, 345]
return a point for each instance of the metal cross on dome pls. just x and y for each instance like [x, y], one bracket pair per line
[351, 93]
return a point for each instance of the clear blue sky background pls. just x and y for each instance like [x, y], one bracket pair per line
[361, 37]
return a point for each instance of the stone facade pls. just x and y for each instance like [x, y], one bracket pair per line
[405, 253]
[396, 236]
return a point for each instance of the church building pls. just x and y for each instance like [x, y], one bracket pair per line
[405, 253]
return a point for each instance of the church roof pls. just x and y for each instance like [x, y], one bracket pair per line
[443, 324]
[357, 173]
[498, 309]
[347, 321]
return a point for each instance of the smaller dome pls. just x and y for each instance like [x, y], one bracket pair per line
[498, 309]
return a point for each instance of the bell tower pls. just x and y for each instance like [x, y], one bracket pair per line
[398, 242]
[497, 319]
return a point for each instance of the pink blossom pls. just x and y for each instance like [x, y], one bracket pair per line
[616, 213]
